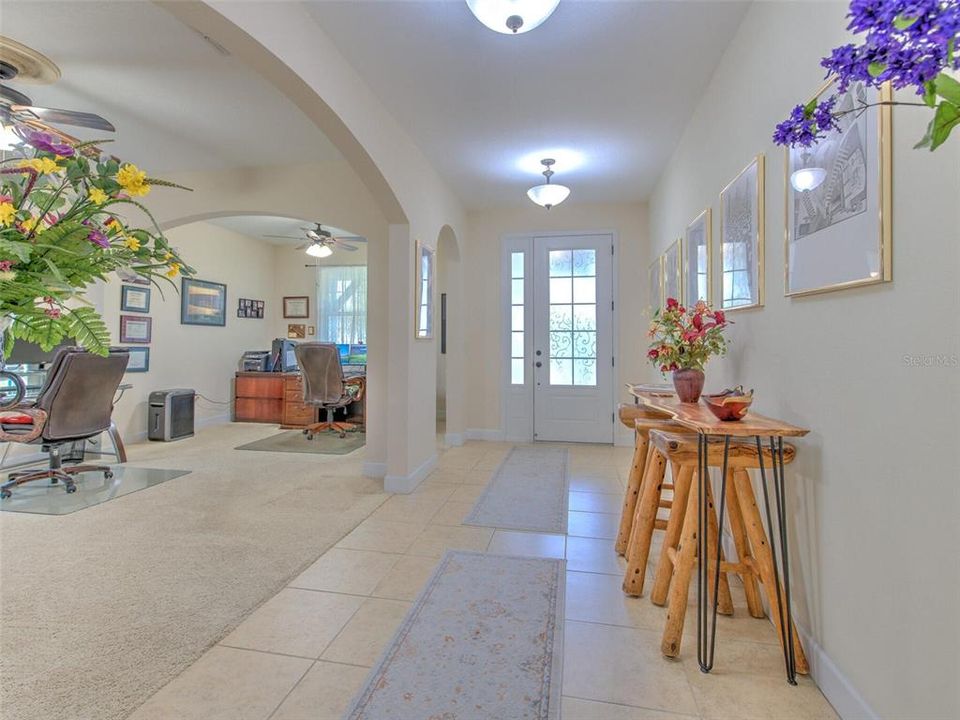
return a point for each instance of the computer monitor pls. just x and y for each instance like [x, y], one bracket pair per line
[344, 350]
[356, 356]
[283, 358]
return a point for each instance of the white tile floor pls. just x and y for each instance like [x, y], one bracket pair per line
[304, 653]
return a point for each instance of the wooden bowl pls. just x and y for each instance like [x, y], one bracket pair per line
[728, 407]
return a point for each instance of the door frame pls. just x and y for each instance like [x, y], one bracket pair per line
[513, 242]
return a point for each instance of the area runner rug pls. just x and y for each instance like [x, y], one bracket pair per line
[530, 491]
[482, 642]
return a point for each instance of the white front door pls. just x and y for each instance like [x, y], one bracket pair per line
[573, 338]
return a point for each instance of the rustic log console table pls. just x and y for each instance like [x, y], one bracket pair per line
[759, 428]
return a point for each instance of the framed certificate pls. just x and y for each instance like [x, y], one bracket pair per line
[134, 329]
[297, 306]
[134, 299]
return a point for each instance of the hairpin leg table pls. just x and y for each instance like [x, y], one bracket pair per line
[761, 430]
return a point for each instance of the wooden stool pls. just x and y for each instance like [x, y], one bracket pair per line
[678, 557]
[641, 421]
[665, 447]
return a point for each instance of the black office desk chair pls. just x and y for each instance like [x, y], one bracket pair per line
[324, 386]
[75, 404]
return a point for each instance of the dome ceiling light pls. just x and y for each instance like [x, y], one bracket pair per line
[548, 195]
[512, 17]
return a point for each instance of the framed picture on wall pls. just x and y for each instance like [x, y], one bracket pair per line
[741, 239]
[655, 285]
[423, 288]
[134, 299]
[203, 302]
[673, 271]
[296, 331]
[297, 306]
[838, 230]
[698, 265]
[135, 329]
[139, 359]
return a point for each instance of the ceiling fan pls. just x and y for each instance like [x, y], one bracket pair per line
[25, 64]
[322, 242]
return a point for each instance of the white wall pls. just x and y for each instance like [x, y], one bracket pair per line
[193, 356]
[874, 491]
[484, 293]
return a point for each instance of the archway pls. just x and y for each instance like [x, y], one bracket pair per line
[450, 339]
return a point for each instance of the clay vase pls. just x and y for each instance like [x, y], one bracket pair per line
[689, 384]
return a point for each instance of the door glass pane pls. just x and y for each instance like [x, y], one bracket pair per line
[561, 317]
[516, 371]
[560, 291]
[584, 372]
[516, 265]
[516, 291]
[516, 317]
[584, 290]
[516, 345]
[584, 262]
[561, 344]
[561, 371]
[585, 345]
[560, 263]
[584, 317]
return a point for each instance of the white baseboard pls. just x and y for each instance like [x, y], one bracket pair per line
[375, 469]
[834, 685]
[488, 434]
[839, 691]
[453, 439]
[408, 483]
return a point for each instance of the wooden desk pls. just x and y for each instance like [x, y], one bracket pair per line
[699, 418]
[266, 397]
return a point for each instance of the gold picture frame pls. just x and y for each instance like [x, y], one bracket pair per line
[700, 226]
[673, 271]
[655, 285]
[423, 291]
[856, 223]
[748, 185]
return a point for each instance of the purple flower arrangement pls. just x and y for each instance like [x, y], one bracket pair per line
[907, 43]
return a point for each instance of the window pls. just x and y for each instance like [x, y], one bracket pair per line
[342, 304]
[516, 319]
[573, 317]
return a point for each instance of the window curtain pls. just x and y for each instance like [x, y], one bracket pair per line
[342, 304]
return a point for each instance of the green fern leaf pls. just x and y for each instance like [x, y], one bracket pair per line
[86, 326]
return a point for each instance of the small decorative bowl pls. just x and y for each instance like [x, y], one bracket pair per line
[728, 407]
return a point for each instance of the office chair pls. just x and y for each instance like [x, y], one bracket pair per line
[74, 404]
[324, 386]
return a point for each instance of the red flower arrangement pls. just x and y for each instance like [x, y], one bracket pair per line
[686, 339]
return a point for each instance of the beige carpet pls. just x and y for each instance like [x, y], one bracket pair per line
[101, 608]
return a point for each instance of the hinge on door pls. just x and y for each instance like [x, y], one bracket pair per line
[611, 306]
[613, 417]
[611, 249]
[613, 362]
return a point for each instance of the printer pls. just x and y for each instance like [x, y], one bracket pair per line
[255, 361]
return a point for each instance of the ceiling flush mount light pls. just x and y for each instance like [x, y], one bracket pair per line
[548, 195]
[512, 17]
[807, 178]
[319, 250]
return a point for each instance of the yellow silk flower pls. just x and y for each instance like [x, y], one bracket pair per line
[132, 243]
[133, 180]
[41, 165]
[7, 213]
[174, 270]
[98, 196]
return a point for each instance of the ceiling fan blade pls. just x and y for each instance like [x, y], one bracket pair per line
[284, 237]
[342, 245]
[303, 247]
[64, 117]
